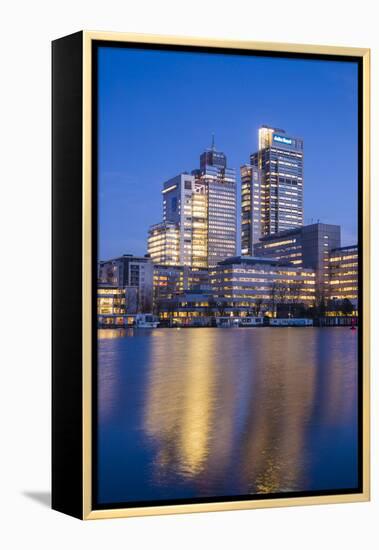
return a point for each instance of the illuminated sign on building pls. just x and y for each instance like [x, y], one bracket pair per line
[282, 139]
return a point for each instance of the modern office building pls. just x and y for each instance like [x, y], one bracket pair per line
[251, 210]
[114, 304]
[307, 246]
[181, 239]
[171, 280]
[240, 287]
[190, 308]
[247, 282]
[163, 243]
[219, 184]
[129, 270]
[343, 267]
[199, 216]
[272, 187]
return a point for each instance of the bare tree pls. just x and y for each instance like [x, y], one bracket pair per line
[257, 307]
[282, 293]
[273, 300]
[221, 307]
[294, 295]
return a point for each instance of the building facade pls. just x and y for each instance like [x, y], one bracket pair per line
[199, 216]
[272, 187]
[182, 237]
[172, 280]
[251, 209]
[308, 246]
[114, 304]
[343, 267]
[219, 184]
[163, 243]
[247, 283]
[133, 271]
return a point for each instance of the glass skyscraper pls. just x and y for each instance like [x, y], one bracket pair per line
[272, 187]
[181, 239]
[199, 226]
[219, 183]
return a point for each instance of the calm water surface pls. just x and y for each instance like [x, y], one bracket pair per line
[214, 412]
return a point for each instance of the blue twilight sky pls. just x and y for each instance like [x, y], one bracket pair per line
[158, 110]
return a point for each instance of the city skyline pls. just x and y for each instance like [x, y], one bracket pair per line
[135, 178]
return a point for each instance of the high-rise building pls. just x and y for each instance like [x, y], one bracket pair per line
[130, 271]
[272, 187]
[307, 246]
[219, 184]
[343, 265]
[163, 243]
[181, 239]
[199, 216]
[251, 211]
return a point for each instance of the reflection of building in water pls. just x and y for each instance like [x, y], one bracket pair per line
[336, 388]
[274, 454]
[216, 418]
[180, 404]
[219, 422]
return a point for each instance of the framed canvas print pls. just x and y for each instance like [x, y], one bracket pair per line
[210, 275]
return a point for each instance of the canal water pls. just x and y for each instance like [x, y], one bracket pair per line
[196, 413]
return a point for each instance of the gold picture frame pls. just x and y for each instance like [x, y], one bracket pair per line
[83, 509]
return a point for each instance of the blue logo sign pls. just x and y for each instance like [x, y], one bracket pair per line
[282, 139]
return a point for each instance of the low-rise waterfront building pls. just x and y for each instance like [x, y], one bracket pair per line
[171, 280]
[343, 267]
[116, 306]
[129, 270]
[194, 307]
[308, 246]
[262, 284]
[242, 287]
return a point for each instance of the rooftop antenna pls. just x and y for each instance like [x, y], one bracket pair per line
[213, 142]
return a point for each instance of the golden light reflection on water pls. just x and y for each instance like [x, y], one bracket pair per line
[111, 333]
[239, 406]
[180, 402]
[212, 412]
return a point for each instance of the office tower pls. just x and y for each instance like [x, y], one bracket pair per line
[251, 211]
[308, 246]
[219, 184]
[130, 271]
[201, 208]
[163, 243]
[343, 266]
[181, 239]
[273, 195]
